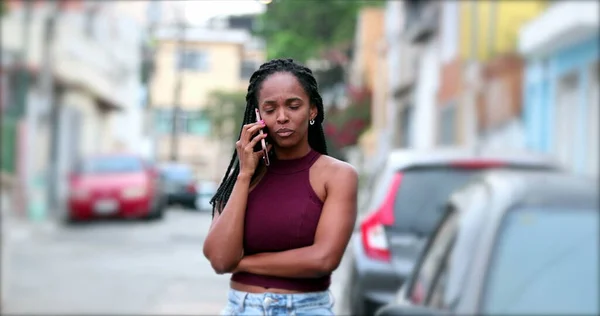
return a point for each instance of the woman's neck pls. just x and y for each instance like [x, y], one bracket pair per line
[292, 152]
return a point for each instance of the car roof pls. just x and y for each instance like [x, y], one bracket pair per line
[548, 188]
[503, 191]
[406, 158]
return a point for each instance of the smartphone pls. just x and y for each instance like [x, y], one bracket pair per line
[262, 141]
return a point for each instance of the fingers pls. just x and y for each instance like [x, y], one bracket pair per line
[250, 146]
[250, 129]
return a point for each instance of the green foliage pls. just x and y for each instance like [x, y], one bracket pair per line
[225, 110]
[303, 29]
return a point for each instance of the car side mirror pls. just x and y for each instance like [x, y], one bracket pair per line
[410, 310]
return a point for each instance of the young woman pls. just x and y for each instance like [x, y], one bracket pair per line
[282, 229]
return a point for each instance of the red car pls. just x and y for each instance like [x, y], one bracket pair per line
[116, 185]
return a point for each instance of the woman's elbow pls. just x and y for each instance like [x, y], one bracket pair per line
[222, 267]
[328, 264]
[220, 263]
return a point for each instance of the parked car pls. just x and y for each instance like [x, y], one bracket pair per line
[405, 205]
[179, 184]
[206, 190]
[113, 185]
[511, 244]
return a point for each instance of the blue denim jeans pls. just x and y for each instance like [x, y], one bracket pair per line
[272, 304]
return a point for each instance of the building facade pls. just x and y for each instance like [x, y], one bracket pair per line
[209, 60]
[561, 84]
[481, 74]
[86, 75]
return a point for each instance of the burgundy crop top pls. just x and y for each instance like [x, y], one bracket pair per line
[282, 213]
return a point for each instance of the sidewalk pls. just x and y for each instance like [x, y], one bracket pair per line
[15, 229]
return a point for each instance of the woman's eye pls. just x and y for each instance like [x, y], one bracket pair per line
[269, 111]
[294, 107]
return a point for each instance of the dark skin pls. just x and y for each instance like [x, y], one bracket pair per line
[283, 103]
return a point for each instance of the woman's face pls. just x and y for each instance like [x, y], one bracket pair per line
[286, 109]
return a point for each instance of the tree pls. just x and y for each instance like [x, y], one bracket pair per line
[304, 29]
[225, 109]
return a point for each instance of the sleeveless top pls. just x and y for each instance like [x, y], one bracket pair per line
[282, 214]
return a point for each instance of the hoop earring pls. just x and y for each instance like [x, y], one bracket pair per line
[311, 122]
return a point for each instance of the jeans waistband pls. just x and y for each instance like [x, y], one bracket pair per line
[298, 300]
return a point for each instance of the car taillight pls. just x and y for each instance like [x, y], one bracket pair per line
[478, 164]
[191, 188]
[374, 239]
[372, 228]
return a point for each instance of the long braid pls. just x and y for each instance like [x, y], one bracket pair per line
[316, 137]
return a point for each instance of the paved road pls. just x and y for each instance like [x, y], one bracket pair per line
[104, 268]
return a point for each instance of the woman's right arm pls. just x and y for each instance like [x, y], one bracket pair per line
[223, 245]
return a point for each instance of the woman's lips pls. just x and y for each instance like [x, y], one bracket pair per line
[284, 132]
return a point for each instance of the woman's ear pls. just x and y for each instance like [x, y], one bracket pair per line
[313, 113]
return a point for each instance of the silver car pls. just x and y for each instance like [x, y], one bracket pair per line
[405, 204]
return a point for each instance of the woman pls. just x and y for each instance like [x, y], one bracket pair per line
[282, 229]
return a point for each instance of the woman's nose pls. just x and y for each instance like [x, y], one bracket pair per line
[282, 117]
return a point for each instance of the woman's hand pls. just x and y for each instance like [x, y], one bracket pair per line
[249, 159]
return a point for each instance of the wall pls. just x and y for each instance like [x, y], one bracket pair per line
[543, 93]
[223, 73]
[424, 126]
[369, 31]
[490, 27]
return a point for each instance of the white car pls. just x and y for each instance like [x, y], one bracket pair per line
[205, 191]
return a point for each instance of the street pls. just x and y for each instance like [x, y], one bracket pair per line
[114, 267]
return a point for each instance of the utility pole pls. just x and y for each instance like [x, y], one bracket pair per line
[26, 109]
[47, 85]
[181, 59]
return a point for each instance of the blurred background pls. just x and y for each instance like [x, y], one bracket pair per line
[130, 110]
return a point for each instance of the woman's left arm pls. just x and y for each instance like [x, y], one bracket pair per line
[331, 238]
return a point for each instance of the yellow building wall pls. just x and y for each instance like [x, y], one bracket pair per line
[223, 74]
[494, 25]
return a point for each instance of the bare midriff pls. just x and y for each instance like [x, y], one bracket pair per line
[259, 289]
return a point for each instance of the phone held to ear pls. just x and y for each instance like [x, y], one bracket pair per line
[263, 143]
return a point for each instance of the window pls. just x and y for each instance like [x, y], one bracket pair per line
[192, 60]
[545, 261]
[593, 123]
[248, 68]
[565, 120]
[433, 259]
[420, 200]
[111, 164]
[438, 292]
[447, 125]
[405, 125]
[189, 122]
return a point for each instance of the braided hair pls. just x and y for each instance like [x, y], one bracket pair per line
[316, 137]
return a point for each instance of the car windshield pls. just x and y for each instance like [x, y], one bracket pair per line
[544, 262]
[112, 164]
[178, 173]
[422, 195]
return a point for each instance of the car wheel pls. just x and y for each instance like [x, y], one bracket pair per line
[157, 211]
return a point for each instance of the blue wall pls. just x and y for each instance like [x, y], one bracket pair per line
[541, 79]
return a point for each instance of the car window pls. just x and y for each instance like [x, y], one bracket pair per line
[381, 185]
[438, 292]
[432, 259]
[545, 261]
[178, 173]
[422, 195]
[110, 164]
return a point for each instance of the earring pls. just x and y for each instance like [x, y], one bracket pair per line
[311, 122]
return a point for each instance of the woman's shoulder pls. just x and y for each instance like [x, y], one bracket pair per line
[335, 168]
